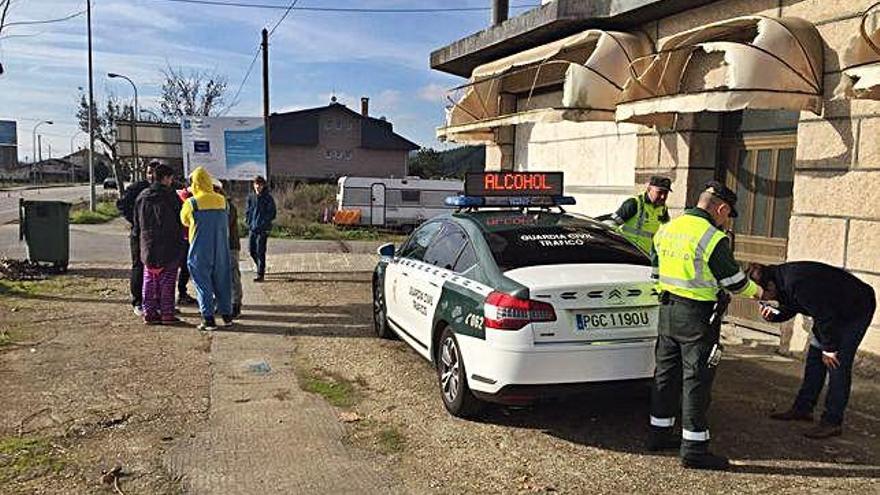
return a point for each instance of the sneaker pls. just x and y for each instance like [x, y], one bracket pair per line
[138, 310]
[207, 325]
[170, 320]
[152, 320]
[706, 461]
[258, 278]
[186, 300]
[236, 310]
[226, 322]
[824, 430]
[792, 415]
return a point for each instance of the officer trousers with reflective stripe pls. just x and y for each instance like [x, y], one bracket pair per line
[682, 375]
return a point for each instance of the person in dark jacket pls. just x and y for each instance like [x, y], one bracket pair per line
[157, 226]
[842, 307]
[126, 206]
[234, 249]
[259, 215]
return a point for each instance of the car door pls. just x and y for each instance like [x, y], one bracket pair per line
[427, 283]
[400, 273]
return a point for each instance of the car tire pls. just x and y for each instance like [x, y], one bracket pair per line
[380, 316]
[452, 378]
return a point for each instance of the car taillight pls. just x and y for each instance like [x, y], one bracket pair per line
[505, 312]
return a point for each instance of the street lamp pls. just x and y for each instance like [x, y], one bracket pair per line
[134, 117]
[34, 134]
[155, 116]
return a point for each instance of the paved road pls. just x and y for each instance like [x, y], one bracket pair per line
[9, 198]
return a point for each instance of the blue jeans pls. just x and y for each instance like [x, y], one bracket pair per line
[257, 245]
[839, 380]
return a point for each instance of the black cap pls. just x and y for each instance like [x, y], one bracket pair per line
[723, 193]
[661, 182]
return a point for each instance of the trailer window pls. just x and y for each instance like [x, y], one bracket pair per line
[410, 195]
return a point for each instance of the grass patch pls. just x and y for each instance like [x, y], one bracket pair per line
[104, 212]
[5, 338]
[16, 288]
[329, 232]
[333, 387]
[27, 458]
[389, 440]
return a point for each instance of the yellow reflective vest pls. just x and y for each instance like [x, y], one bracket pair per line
[683, 248]
[640, 228]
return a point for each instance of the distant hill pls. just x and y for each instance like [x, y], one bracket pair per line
[429, 163]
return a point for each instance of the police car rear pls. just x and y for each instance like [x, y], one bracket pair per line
[526, 301]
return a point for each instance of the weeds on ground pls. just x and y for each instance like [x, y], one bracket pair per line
[104, 212]
[333, 387]
[389, 440]
[26, 458]
[5, 338]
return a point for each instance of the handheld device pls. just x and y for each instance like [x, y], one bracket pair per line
[773, 309]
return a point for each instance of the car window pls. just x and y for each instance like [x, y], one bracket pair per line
[444, 250]
[418, 242]
[466, 260]
[558, 239]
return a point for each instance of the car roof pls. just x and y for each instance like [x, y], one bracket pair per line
[495, 220]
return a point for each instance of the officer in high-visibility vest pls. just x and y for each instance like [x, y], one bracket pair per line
[639, 217]
[694, 264]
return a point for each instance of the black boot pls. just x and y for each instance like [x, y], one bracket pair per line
[662, 439]
[696, 455]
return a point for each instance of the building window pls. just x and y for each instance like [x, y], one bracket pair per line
[410, 195]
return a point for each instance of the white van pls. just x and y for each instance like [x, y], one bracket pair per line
[402, 203]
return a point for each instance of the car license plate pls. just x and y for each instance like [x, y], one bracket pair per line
[612, 319]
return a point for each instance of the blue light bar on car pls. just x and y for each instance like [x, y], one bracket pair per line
[501, 201]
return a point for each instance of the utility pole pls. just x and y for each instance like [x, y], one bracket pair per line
[92, 198]
[265, 46]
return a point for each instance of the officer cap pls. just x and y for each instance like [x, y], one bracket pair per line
[661, 182]
[723, 193]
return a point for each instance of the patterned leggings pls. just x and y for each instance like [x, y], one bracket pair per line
[159, 284]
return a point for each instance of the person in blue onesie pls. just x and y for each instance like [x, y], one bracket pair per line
[205, 215]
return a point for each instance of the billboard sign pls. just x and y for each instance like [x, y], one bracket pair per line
[8, 133]
[231, 148]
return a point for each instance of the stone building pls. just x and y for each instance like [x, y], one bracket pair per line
[778, 98]
[328, 142]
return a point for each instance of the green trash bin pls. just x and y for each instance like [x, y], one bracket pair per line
[45, 227]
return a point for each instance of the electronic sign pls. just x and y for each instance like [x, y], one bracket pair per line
[514, 184]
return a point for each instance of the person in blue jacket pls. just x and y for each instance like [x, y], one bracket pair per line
[206, 217]
[259, 216]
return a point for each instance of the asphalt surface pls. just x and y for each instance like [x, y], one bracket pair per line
[9, 198]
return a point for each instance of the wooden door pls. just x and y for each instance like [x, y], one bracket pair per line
[760, 169]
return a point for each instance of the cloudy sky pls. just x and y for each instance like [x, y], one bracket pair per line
[314, 54]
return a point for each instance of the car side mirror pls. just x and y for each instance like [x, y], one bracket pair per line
[386, 250]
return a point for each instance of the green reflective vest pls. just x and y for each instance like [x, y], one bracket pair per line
[641, 227]
[683, 248]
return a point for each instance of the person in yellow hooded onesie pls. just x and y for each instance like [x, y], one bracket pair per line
[205, 215]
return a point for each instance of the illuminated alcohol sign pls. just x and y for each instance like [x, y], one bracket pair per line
[514, 184]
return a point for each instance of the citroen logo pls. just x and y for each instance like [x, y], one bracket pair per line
[615, 294]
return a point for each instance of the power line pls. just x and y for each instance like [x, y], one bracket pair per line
[47, 21]
[218, 3]
[286, 13]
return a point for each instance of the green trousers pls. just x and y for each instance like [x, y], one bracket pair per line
[682, 375]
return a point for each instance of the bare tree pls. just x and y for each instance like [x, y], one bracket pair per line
[4, 13]
[105, 122]
[194, 93]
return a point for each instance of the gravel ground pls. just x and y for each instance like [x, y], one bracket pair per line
[589, 444]
[84, 379]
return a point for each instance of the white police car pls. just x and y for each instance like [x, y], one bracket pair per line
[517, 301]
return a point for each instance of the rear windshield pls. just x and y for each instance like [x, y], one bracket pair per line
[558, 239]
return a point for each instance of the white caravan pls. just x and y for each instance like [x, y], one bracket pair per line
[402, 203]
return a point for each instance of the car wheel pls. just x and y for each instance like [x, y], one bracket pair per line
[454, 390]
[380, 319]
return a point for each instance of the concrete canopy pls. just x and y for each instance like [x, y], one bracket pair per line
[753, 62]
[590, 68]
[861, 60]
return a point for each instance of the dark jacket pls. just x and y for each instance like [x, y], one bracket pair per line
[833, 297]
[125, 204]
[260, 211]
[234, 235]
[157, 224]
